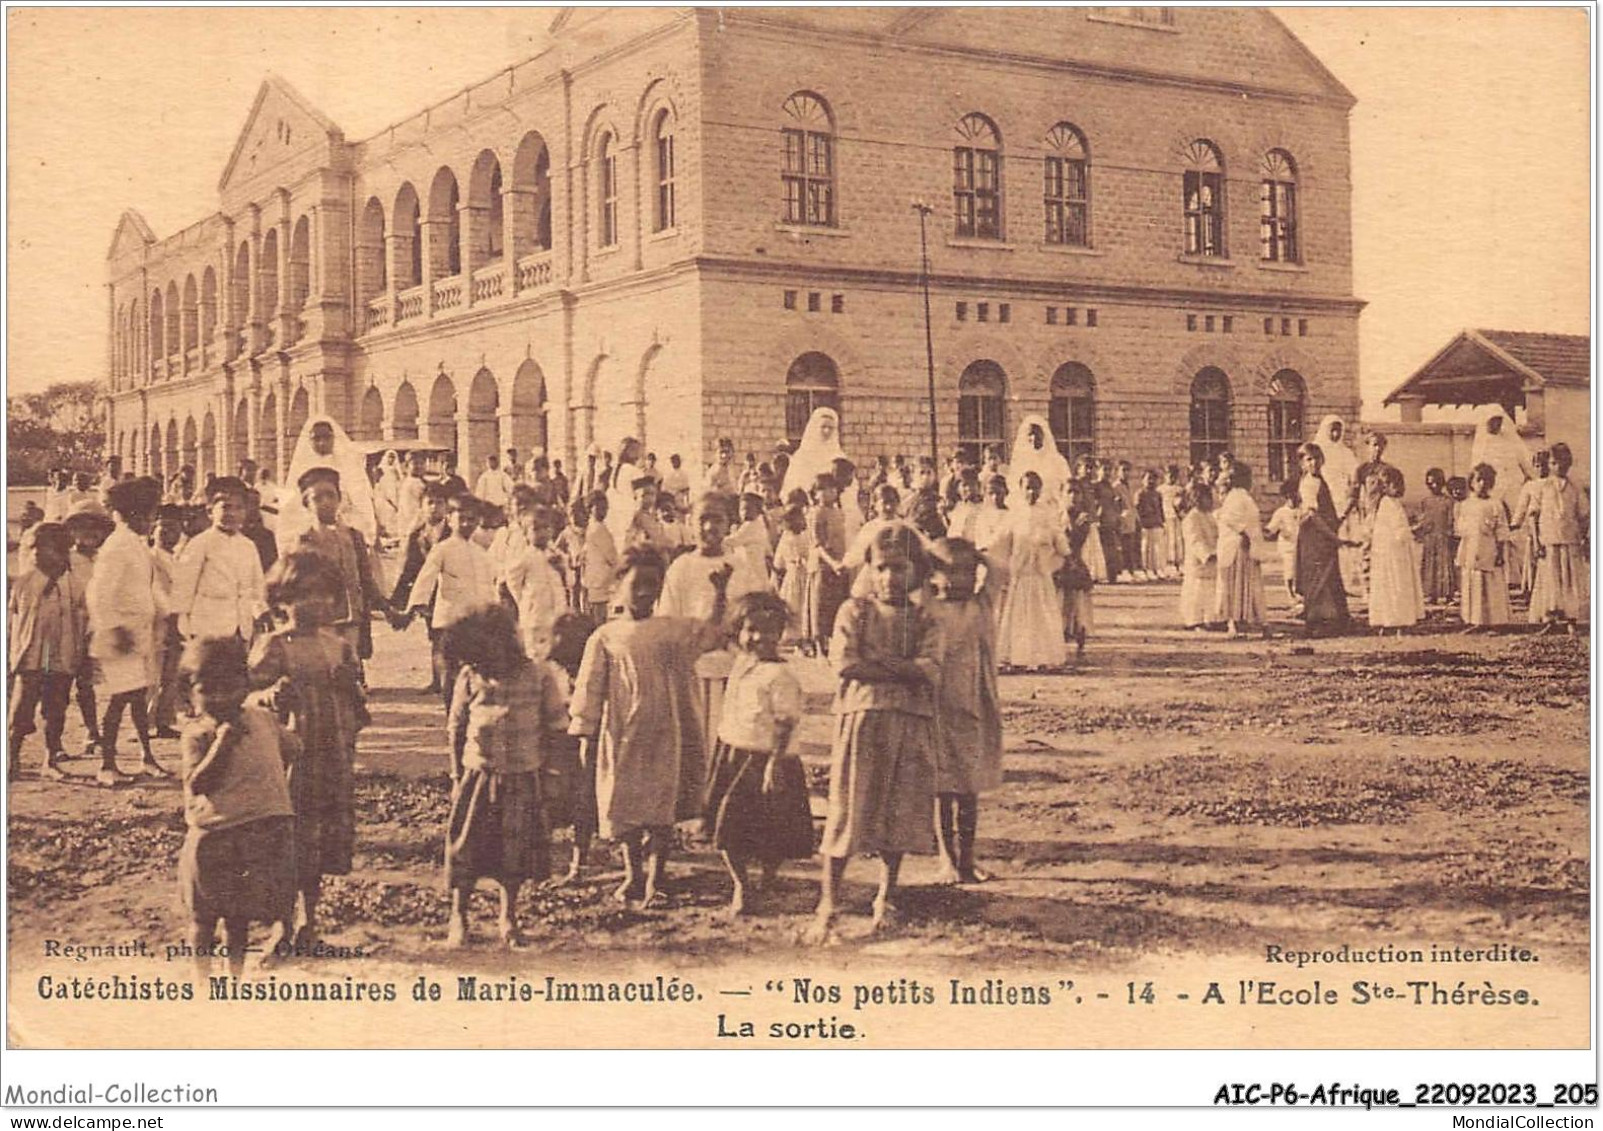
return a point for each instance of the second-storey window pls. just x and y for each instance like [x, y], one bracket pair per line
[1067, 187]
[1277, 207]
[977, 179]
[607, 192]
[808, 173]
[664, 217]
[1204, 198]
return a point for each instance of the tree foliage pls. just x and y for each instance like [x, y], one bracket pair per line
[63, 426]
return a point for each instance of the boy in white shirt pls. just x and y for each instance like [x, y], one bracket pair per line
[537, 586]
[460, 578]
[218, 588]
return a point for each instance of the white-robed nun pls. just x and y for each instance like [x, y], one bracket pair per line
[1341, 464]
[1340, 472]
[323, 443]
[1497, 444]
[816, 454]
[1035, 451]
[621, 492]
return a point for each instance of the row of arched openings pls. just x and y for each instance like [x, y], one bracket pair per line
[813, 380]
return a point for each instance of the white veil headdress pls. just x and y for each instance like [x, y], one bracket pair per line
[356, 492]
[1045, 460]
[817, 452]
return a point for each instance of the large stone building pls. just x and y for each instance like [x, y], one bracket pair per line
[691, 223]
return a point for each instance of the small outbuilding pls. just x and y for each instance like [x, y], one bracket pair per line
[1542, 381]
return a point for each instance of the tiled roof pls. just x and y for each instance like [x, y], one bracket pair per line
[1564, 359]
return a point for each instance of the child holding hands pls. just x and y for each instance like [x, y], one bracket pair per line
[756, 805]
[886, 653]
[310, 674]
[506, 710]
[634, 706]
[968, 719]
[1483, 543]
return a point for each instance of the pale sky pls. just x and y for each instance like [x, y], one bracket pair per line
[1470, 146]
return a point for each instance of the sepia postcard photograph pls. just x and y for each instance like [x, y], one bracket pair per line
[882, 528]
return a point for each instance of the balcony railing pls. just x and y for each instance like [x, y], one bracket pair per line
[534, 270]
[409, 304]
[448, 293]
[492, 283]
[489, 283]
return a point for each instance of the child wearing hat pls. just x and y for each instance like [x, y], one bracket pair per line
[218, 586]
[47, 632]
[344, 546]
[126, 606]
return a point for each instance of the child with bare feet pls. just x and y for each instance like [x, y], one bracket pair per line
[886, 653]
[311, 676]
[756, 792]
[505, 710]
[634, 705]
[569, 784]
[968, 712]
[237, 863]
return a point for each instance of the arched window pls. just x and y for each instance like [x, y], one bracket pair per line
[1072, 412]
[808, 176]
[1277, 209]
[607, 193]
[191, 314]
[171, 333]
[485, 208]
[241, 295]
[812, 382]
[1210, 415]
[981, 409]
[445, 225]
[372, 272]
[1067, 189]
[1204, 200]
[662, 133]
[408, 262]
[531, 196]
[300, 266]
[977, 179]
[267, 275]
[1286, 398]
[158, 327]
[208, 305]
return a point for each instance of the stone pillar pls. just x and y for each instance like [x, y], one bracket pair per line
[287, 317]
[397, 251]
[228, 317]
[632, 154]
[285, 443]
[519, 214]
[253, 419]
[432, 232]
[475, 250]
[1413, 409]
[256, 328]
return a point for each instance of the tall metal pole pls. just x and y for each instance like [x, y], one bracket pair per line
[923, 211]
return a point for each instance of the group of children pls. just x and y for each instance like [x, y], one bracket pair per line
[623, 674]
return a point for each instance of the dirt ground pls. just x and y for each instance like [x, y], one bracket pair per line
[1177, 794]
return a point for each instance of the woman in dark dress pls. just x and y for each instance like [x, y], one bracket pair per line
[1318, 542]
